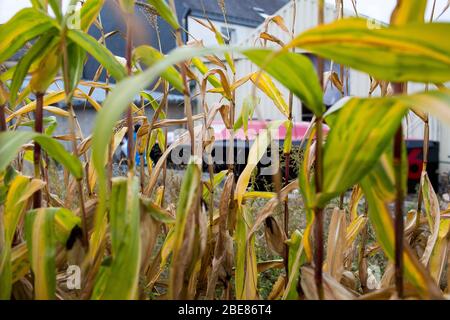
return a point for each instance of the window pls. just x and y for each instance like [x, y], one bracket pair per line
[229, 34]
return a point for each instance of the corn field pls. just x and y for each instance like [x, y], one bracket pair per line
[122, 237]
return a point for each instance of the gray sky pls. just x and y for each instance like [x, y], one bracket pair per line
[378, 9]
[381, 9]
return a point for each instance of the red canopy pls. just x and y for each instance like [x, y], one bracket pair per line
[255, 126]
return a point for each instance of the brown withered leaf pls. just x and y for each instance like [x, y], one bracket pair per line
[333, 290]
[278, 20]
[222, 262]
[268, 37]
[336, 244]
[150, 229]
[272, 264]
[269, 208]
[275, 236]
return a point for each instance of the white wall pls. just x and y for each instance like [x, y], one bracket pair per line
[306, 18]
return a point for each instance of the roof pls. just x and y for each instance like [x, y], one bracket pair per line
[243, 12]
[240, 12]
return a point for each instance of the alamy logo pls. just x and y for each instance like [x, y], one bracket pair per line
[73, 280]
[73, 17]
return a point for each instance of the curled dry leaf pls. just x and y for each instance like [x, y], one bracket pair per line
[336, 244]
[275, 236]
[333, 290]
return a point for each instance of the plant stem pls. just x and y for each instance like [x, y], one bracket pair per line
[318, 228]
[318, 176]
[130, 132]
[3, 100]
[288, 157]
[38, 127]
[426, 142]
[399, 223]
[399, 88]
[3, 126]
[362, 263]
[72, 120]
[321, 20]
[286, 215]
[187, 98]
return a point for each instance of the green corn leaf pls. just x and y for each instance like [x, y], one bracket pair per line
[379, 189]
[409, 11]
[99, 52]
[246, 274]
[218, 178]
[414, 52]
[257, 151]
[438, 257]
[89, 12]
[22, 27]
[76, 57]
[43, 76]
[307, 190]
[184, 227]
[156, 212]
[23, 66]
[119, 279]
[8, 74]
[294, 71]
[11, 142]
[212, 79]
[166, 12]
[287, 146]
[248, 108]
[348, 155]
[118, 101]
[20, 191]
[41, 243]
[356, 141]
[297, 258]
[64, 223]
[38, 4]
[6, 179]
[264, 82]
[149, 56]
[56, 8]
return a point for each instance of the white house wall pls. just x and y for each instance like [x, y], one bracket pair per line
[306, 18]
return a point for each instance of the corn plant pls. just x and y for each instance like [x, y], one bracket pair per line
[129, 240]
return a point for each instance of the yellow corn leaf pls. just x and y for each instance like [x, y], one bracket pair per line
[413, 52]
[379, 190]
[41, 242]
[20, 191]
[49, 99]
[266, 85]
[409, 11]
[246, 268]
[257, 151]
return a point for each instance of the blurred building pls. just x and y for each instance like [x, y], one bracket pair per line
[358, 84]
